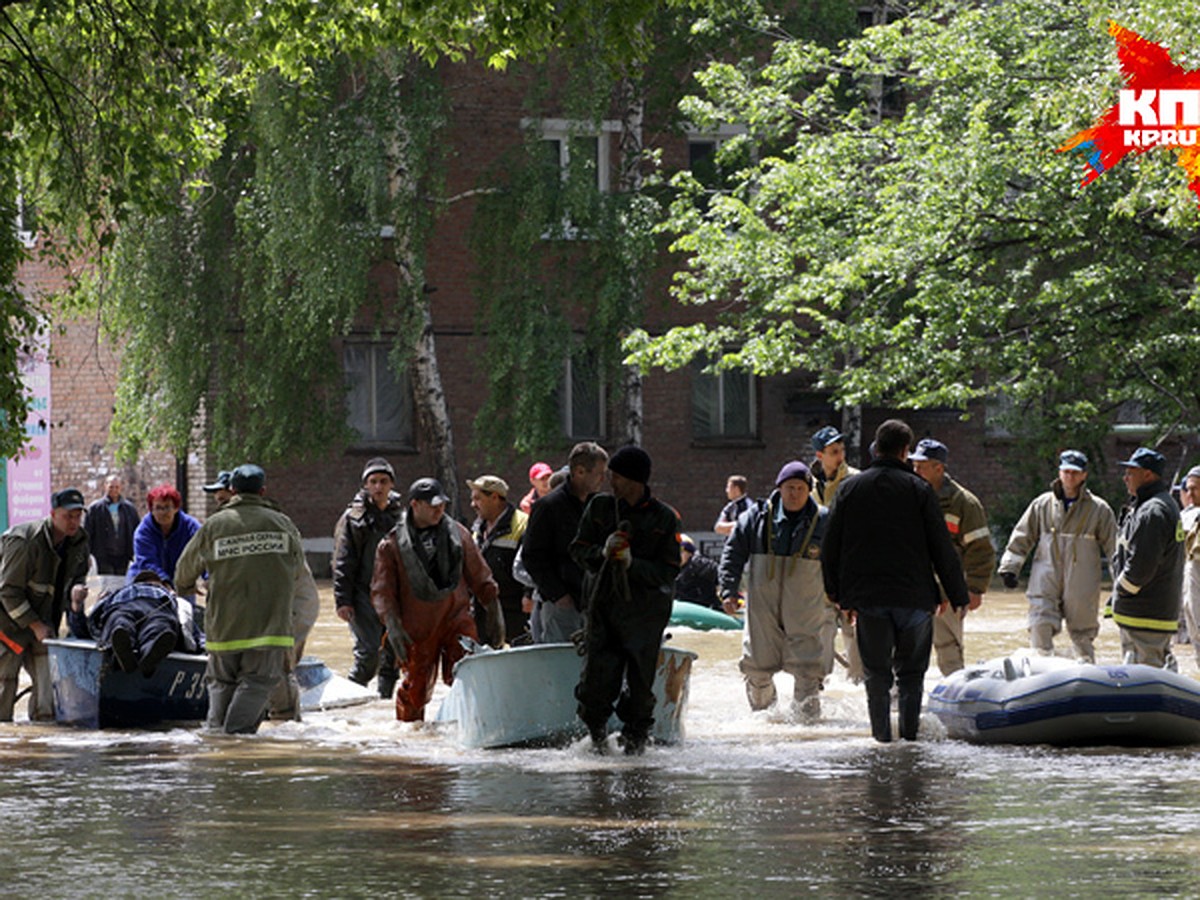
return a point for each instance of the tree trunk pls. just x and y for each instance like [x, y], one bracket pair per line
[630, 183]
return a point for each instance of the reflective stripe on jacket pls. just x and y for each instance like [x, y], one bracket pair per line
[1148, 563]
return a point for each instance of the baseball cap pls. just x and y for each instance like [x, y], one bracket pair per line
[928, 448]
[1073, 461]
[67, 498]
[221, 484]
[826, 436]
[248, 479]
[428, 489]
[1145, 458]
[491, 484]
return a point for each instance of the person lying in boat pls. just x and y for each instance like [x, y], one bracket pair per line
[142, 623]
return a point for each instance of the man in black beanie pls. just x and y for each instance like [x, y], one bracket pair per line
[628, 548]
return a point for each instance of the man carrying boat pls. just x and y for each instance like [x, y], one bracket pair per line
[43, 566]
[1067, 528]
[1148, 564]
[426, 570]
[628, 548]
[255, 561]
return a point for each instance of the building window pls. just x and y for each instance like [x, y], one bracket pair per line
[575, 159]
[724, 405]
[380, 405]
[581, 398]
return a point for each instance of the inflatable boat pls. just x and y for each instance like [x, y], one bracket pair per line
[1031, 699]
[525, 696]
[702, 618]
[91, 692]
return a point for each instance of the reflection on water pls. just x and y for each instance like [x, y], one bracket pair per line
[350, 803]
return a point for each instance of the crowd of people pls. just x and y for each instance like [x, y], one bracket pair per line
[892, 558]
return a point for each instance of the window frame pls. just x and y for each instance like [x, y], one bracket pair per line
[380, 351]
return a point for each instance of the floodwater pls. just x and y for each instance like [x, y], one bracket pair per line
[350, 803]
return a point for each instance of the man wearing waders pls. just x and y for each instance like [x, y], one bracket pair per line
[1067, 528]
[628, 548]
[789, 623]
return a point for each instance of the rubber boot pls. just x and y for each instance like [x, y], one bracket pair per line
[760, 693]
[880, 710]
[1041, 638]
[910, 714]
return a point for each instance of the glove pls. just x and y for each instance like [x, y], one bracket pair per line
[1009, 579]
[617, 548]
[398, 639]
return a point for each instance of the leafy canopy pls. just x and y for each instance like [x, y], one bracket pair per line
[942, 252]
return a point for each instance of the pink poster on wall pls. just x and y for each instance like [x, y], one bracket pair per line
[29, 473]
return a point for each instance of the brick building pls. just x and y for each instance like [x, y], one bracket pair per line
[698, 429]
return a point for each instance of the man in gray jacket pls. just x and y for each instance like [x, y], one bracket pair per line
[1067, 528]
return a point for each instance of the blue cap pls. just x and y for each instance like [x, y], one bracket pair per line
[928, 448]
[1073, 461]
[221, 484]
[826, 436]
[1145, 458]
[248, 479]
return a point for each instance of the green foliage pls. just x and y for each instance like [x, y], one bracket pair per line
[946, 254]
[233, 300]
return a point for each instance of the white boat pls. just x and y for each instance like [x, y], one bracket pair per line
[525, 696]
[1029, 699]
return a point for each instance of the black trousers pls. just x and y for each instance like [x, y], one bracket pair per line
[623, 643]
[894, 643]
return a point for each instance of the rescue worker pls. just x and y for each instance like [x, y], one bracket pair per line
[426, 570]
[829, 468]
[373, 512]
[254, 559]
[1148, 564]
[497, 531]
[789, 623]
[967, 523]
[1190, 519]
[43, 567]
[628, 548]
[1067, 528]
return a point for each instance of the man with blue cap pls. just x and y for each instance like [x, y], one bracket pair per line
[789, 623]
[1067, 529]
[1148, 565]
[829, 468]
[967, 523]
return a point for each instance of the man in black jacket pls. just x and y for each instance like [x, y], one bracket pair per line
[545, 548]
[886, 539]
[372, 513]
[1148, 565]
[110, 523]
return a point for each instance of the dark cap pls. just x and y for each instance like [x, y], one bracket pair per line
[826, 436]
[1073, 461]
[928, 448]
[632, 463]
[221, 484]
[794, 469]
[429, 490]
[248, 479]
[67, 498]
[1145, 458]
[378, 464]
